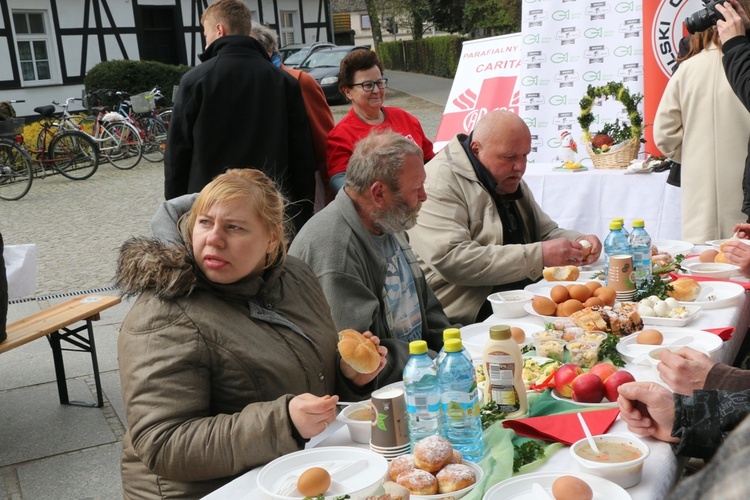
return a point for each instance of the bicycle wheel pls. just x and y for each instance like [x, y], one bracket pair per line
[165, 116]
[123, 146]
[154, 137]
[74, 155]
[15, 171]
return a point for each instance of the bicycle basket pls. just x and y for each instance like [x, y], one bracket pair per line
[142, 103]
[12, 127]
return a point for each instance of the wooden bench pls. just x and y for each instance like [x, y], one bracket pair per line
[55, 324]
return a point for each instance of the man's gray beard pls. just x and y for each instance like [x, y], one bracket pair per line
[396, 219]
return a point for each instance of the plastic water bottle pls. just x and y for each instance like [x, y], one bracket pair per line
[459, 398]
[624, 231]
[422, 394]
[615, 244]
[451, 333]
[640, 248]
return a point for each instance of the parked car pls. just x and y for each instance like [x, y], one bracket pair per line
[323, 65]
[293, 55]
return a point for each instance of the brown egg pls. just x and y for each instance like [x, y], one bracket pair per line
[559, 294]
[720, 257]
[593, 301]
[543, 305]
[607, 294]
[593, 285]
[650, 337]
[580, 292]
[560, 311]
[570, 306]
[571, 488]
[518, 335]
[708, 255]
[314, 481]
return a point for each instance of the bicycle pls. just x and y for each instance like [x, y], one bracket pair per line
[153, 129]
[119, 141]
[72, 153]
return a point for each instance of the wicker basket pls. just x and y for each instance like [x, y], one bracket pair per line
[619, 159]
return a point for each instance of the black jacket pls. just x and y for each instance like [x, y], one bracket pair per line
[737, 68]
[237, 109]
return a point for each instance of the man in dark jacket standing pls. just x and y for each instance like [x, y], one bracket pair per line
[237, 109]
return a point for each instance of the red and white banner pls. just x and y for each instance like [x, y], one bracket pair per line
[486, 79]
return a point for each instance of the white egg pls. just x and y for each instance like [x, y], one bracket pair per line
[672, 302]
[646, 311]
[662, 309]
[654, 299]
[646, 302]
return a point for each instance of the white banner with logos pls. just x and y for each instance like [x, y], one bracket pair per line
[568, 45]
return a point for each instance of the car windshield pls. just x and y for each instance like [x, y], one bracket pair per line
[297, 57]
[325, 59]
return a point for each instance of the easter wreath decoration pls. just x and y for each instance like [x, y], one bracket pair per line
[617, 144]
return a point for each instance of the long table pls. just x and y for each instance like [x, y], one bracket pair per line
[661, 469]
[588, 200]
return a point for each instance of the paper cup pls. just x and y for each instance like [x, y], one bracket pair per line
[390, 428]
[621, 276]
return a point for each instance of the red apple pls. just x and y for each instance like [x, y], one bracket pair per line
[564, 378]
[588, 388]
[614, 381]
[603, 370]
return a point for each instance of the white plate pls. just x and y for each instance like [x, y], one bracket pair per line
[474, 337]
[709, 342]
[673, 247]
[543, 287]
[653, 320]
[520, 487]
[456, 494]
[724, 292]
[273, 475]
[606, 403]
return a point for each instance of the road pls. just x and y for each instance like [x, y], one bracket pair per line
[78, 226]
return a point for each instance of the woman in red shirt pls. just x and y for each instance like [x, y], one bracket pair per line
[361, 81]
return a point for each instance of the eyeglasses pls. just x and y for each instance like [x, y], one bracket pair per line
[369, 85]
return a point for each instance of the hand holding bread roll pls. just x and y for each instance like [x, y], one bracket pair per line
[358, 352]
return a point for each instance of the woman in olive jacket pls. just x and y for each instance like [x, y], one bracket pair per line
[228, 357]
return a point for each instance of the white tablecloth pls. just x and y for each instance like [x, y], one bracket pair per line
[661, 469]
[587, 201]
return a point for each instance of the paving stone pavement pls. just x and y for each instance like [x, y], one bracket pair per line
[50, 451]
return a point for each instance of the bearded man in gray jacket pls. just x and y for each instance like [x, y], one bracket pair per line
[358, 248]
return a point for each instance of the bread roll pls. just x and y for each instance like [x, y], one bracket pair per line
[685, 289]
[360, 353]
[454, 477]
[561, 273]
[418, 482]
[432, 454]
[586, 247]
[399, 465]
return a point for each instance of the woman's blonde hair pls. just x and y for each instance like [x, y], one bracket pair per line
[261, 194]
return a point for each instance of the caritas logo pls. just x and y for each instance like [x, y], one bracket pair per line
[496, 93]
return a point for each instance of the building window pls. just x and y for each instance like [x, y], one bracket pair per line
[287, 27]
[33, 46]
[364, 21]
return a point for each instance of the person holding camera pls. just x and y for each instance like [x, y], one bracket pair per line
[732, 27]
[697, 115]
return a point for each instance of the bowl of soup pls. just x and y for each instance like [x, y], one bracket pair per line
[620, 458]
[358, 418]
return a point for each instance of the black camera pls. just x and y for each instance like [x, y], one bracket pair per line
[704, 19]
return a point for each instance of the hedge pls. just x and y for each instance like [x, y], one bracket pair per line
[438, 55]
[134, 77]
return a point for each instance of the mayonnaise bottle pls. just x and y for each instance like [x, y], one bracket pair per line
[503, 365]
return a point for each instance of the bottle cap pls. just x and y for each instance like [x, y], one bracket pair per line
[615, 225]
[417, 347]
[500, 332]
[451, 333]
[453, 345]
[620, 220]
[639, 223]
